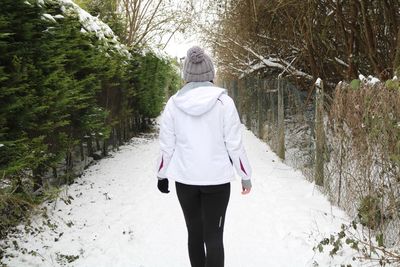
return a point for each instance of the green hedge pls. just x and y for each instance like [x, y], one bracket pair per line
[60, 86]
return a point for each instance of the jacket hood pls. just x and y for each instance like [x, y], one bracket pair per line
[197, 100]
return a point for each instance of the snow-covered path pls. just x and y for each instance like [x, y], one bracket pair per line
[115, 216]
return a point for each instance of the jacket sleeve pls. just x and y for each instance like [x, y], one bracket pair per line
[166, 141]
[233, 140]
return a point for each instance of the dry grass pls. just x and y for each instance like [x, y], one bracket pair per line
[364, 136]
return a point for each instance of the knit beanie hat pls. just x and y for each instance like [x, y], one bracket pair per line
[198, 66]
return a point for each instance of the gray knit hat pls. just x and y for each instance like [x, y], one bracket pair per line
[198, 66]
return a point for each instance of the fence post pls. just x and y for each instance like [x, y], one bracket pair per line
[246, 109]
[319, 134]
[281, 122]
[235, 87]
[235, 91]
[229, 86]
[260, 95]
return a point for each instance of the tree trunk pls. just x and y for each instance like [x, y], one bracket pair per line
[319, 136]
[281, 121]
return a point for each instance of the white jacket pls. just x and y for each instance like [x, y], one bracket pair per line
[200, 137]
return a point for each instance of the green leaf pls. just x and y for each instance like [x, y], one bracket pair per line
[355, 84]
[379, 239]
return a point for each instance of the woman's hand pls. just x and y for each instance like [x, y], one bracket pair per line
[245, 191]
[246, 187]
[162, 185]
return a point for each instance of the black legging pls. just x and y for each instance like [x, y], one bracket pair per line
[204, 209]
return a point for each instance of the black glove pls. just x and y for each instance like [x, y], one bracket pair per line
[163, 185]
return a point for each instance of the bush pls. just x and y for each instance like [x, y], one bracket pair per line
[365, 167]
[369, 212]
[63, 88]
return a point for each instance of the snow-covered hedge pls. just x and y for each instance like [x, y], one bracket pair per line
[69, 90]
[89, 23]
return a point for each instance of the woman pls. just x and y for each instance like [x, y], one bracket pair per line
[200, 141]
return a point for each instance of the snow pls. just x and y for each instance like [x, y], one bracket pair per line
[251, 69]
[370, 80]
[373, 80]
[277, 63]
[338, 60]
[58, 16]
[49, 17]
[318, 82]
[113, 215]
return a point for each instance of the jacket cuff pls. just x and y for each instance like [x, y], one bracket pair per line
[162, 164]
[246, 184]
[242, 166]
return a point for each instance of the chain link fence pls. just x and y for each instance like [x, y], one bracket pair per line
[257, 100]
[348, 145]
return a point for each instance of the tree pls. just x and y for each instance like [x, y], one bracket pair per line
[109, 12]
[143, 23]
[62, 87]
[148, 22]
[334, 40]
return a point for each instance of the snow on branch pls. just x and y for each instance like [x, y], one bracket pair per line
[279, 64]
[318, 82]
[270, 62]
[94, 25]
[341, 62]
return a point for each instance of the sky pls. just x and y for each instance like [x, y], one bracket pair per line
[179, 44]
